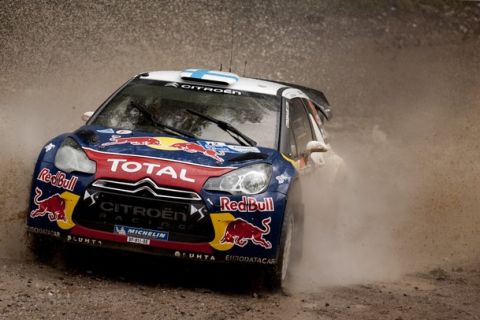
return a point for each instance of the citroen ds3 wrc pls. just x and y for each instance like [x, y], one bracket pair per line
[194, 164]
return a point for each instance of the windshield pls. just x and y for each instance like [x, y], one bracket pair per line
[255, 115]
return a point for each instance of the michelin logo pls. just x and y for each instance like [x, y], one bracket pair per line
[141, 233]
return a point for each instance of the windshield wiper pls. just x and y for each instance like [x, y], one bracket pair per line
[159, 125]
[227, 127]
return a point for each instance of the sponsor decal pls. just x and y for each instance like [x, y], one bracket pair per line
[49, 147]
[58, 179]
[250, 259]
[244, 149]
[53, 206]
[194, 148]
[224, 148]
[123, 132]
[231, 231]
[126, 166]
[202, 88]
[141, 233]
[76, 239]
[206, 74]
[135, 141]
[239, 232]
[109, 130]
[194, 256]
[138, 211]
[166, 144]
[164, 172]
[48, 232]
[247, 204]
[282, 178]
[58, 208]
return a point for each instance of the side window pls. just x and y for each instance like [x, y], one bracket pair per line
[300, 125]
[293, 146]
[317, 120]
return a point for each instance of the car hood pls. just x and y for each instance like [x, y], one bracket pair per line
[167, 159]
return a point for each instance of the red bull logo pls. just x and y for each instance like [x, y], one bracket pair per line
[239, 232]
[135, 141]
[164, 143]
[194, 148]
[53, 206]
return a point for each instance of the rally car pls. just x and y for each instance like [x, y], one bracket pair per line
[194, 164]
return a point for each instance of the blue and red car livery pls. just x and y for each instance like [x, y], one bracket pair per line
[189, 164]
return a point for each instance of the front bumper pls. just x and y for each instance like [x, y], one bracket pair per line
[144, 217]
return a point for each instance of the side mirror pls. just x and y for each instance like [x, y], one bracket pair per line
[87, 115]
[315, 146]
[313, 152]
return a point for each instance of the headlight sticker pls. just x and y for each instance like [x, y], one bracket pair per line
[71, 157]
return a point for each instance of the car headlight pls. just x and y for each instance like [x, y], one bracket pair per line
[71, 157]
[248, 180]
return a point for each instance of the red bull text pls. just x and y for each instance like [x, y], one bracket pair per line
[246, 204]
[57, 180]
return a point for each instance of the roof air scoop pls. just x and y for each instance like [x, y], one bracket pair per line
[211, 76]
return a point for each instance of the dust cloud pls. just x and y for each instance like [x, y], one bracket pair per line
[404, 88]
[410, 199]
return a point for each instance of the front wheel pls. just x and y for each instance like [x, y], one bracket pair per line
[279, 273]
[43, 248]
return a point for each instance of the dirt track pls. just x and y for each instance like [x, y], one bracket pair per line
[404, 83]
[30, 290]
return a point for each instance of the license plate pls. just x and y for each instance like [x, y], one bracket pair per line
[138, 240]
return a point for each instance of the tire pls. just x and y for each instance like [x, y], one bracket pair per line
[279, 274]
[43, 248]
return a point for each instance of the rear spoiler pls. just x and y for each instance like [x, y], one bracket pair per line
[319, 99]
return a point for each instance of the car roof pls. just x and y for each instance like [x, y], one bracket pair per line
[239, 83]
